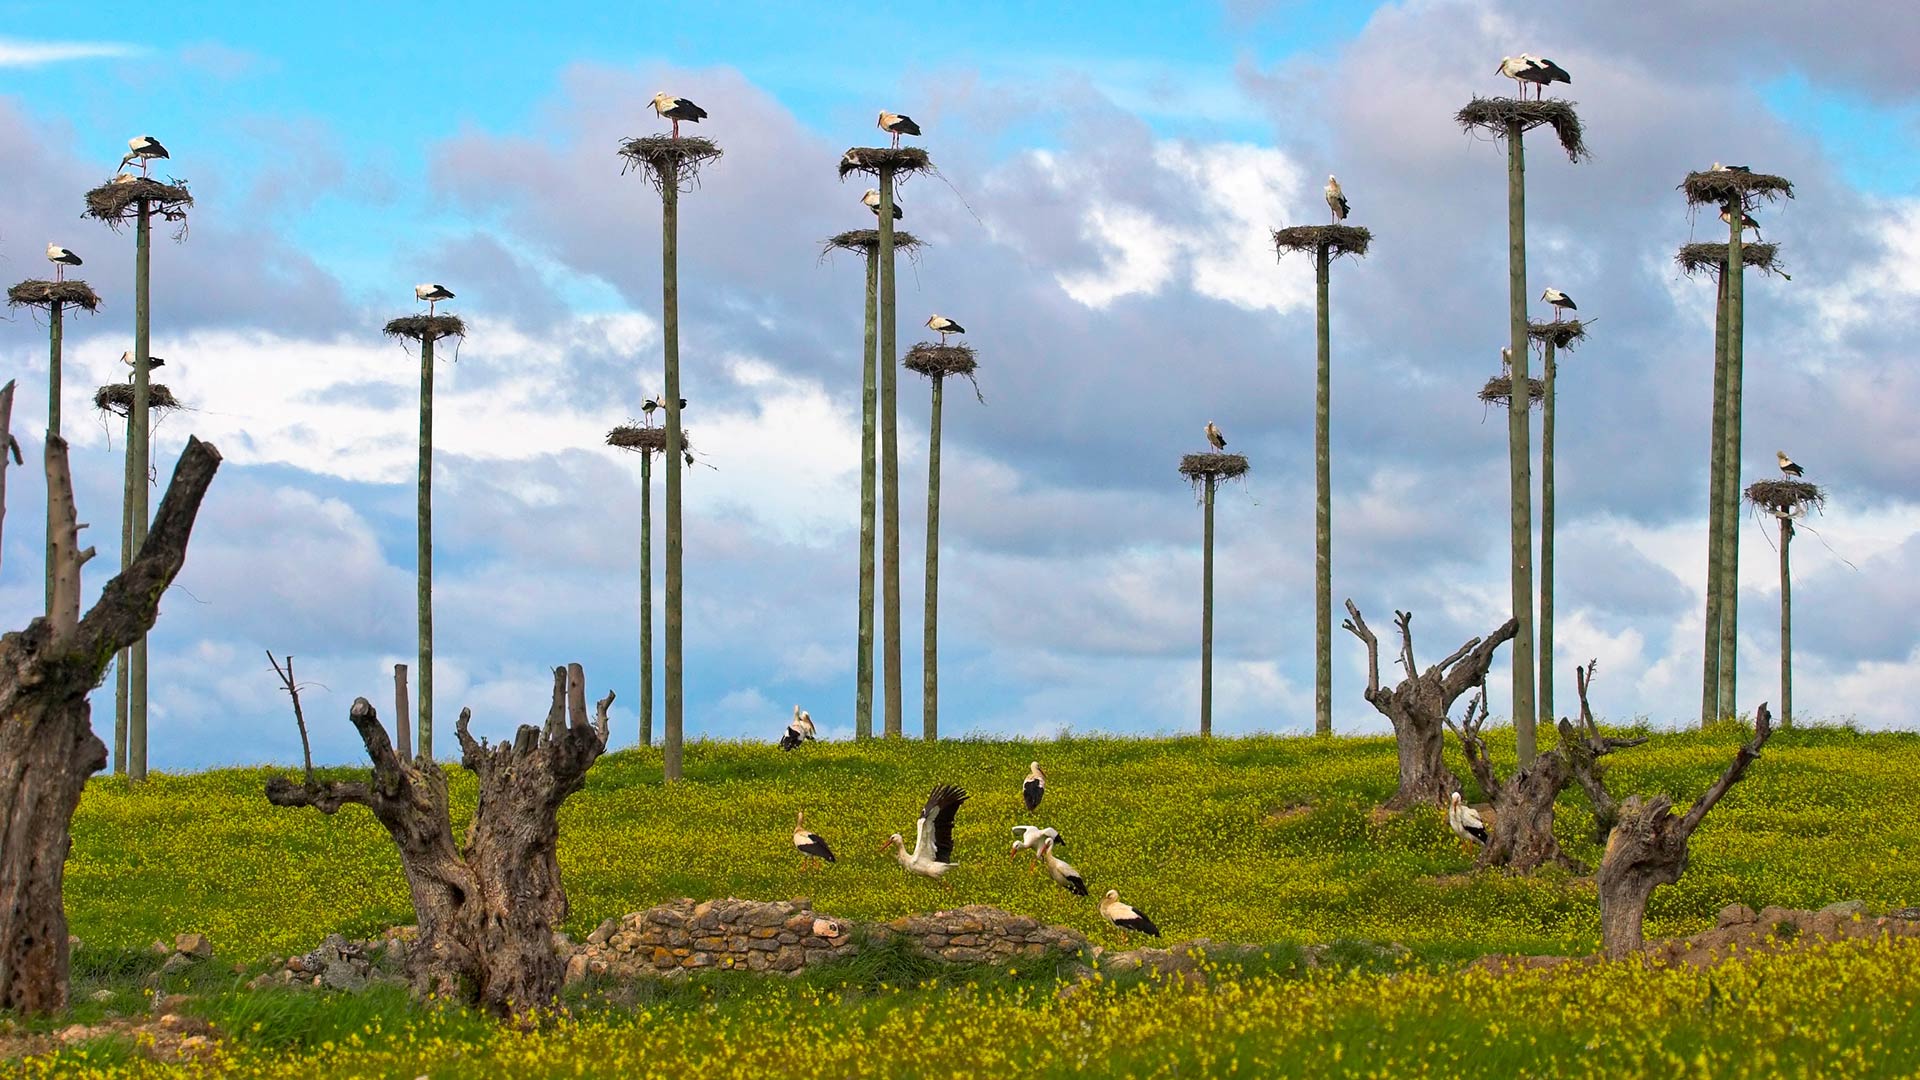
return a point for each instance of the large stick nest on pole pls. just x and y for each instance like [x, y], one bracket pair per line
[878, 159]
[117, 398]
[1563, 334]
[868, 240]
[116, 203]
[1499, 390]
[657, 155]
[1723, 188]
[1786, 496]
[1202, 467]
[939, 361]
[644, 440]
[1494, 114]
[422, 327]
[1339, 239]
[1694, 258]
[44, 294]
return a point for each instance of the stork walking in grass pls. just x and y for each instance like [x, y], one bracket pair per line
[810, 845]
[799, 729]
[1747, 221]
[872, 199]
[1061, 871]
[1788, 466]
[1034, 788]
[1562, 303]
[1465, 822]
[896, 125]
[1215, 439]
[1125, 916]
[933, 837]
[61, 258]
[432, 292]
[1029, 838]
[1337, 200]
[677, 109]
[943, 326]
[144, 149]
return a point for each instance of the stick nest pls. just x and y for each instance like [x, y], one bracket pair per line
[1340, 239]
[422, 327]
[1201, 467]
[1563, 334]
[1725, 187]
[45, 294]
[1499, 390]
[877, 159]
[117, 398]
[868, 240]
[657, 155]
[115, 203]
[939, 361]
[1694, 258]
[1494, 114]
[644, 440]
[1786, 496]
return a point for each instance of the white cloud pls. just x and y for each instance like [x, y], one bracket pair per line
[15, 52]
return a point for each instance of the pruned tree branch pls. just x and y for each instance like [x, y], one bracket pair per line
[1357, 626]
[1467, 668]
[1404, 620]
[299, 718]
[1475, 748]
[1762, 731]
[64, 613]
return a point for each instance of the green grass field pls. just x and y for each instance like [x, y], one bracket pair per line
[1267, 840]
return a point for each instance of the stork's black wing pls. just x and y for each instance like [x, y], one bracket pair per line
[1031, 792]
[942, 804]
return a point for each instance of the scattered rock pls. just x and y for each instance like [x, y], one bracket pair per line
[101, 996]
[194, 945]
[175, 964]
[1845, 909]
[1736, 915]
[1910, 913]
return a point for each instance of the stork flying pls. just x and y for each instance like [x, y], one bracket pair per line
[872, 199]
[61, 258]
[896, 125]
[1062, 872]
[1030, 837]
[943, 326]
[933, 837]
[810, 845]
[1217, 440]
[144, 149]
[1035, 787]
[798, 729]
[1336, 200]
[432, 293]
[1465, 822]
[1562, 303]
[677, 109]
[1125, 916]
[1788, 466]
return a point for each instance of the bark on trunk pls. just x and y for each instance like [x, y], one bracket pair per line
[869, 479]
[1322, 502]
[1648, 849]
[47, 745]
[1519, 453]
[889, 466]
[1716, 480]
[402, 728]
[486, 910]
[1419, 705]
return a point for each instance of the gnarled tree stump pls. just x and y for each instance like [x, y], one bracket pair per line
[1648, 848]
[1418, 707]
[487, 910]
[47, 744]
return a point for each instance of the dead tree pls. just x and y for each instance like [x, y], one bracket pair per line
[1522, 834]
[47, 744]
[1648, 848]
[486, 909]
[1418, 707]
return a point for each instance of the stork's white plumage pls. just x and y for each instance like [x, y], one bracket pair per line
[1542, 71]
[872, 199]
[1030, 837]
[1215, 439]
[1562, 303]
[799, 729]
[896, 125]
[943, 326]
[810, 845]
[1465, 821]
[61, 258]
[1717, 167]
[933, 837]
[1747, 220]
[1513, 67]
[1336, 199]
[122, 178]
[1061, 871]
[432, 292]
[1788, 466]
[1034, 788]
[126, 358]
[1506, 361]
[677, 109]
[144, 149]
[1125, 916]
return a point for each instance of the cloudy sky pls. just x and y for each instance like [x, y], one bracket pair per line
[1100, 223]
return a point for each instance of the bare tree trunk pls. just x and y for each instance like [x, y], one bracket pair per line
[889, 466]
[1418, 707]
[1648, 849]
[1322, 502]
[1716, 509]
[1519, 452]
[869, 479]
[47, 745]
[10, 452]
[486, 911]
[402, 729]
[1206, 618]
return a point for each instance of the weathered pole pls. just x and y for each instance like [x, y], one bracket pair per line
[55, 333]
[1206, 617]
[1786, 625]
[646, 597]
[121, 726]
[929, 648]
[1735, 275]
[423, 547]
[1545, 685]
[1716, 508]
[138, 457]
[889, 464]
[1322, 502]
[670, 320]
[869, 398]
[1519, 452]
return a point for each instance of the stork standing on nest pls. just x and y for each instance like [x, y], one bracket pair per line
[1035, 787]
[872, 199]
[432, 292]
[677, 109]
[1506, 361]
[1061, 871]
[933, 837]
[656, 403]
[943, 326]
[1788, 466]
[1747, 221]
[1215, 439]
[810, 845]
[152, 361]
[896, 125]
[1125, 916]
[61, 258]
[1336, 200]
[1466, 822]
[1541, 72]
[798, 729]
[1717, 167]
[1030, 837]
[144, 149]
[1562, 303]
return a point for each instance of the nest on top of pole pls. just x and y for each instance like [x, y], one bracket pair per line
[1499, 391]
[1786, 497]
[1563, 334]
[422, 327]
[117, 398]
[901, 161]
[1693, 258]
[1724, 186]
[937, 361]
[115, 203]
[45, 294]
[1340, 239]
[1493, 114]
[1200, 468]
[867, 240]
[642, 439]
[657, 155]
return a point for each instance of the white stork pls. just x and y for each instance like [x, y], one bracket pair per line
[1747, 221]
[432, 293]
[1515, 68]
[1125, 916]
[1336, 199]
[1062, 872]
[122, 178]
[61, 258]
[1542, 71]
[1035, 787]
[1030, 837]
[872, 199]
[933, 837]
[1215, 439]
[943, 326]
[896, 125]
[799, 729]
[1506, 361]
[1788, 466]
[677, 109]
[810, 845]
[1717, 167]
[144, 149]
[152, 361]
[1562, 303]
[1465, 822]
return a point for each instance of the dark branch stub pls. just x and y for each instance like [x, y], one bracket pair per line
[299, 718]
